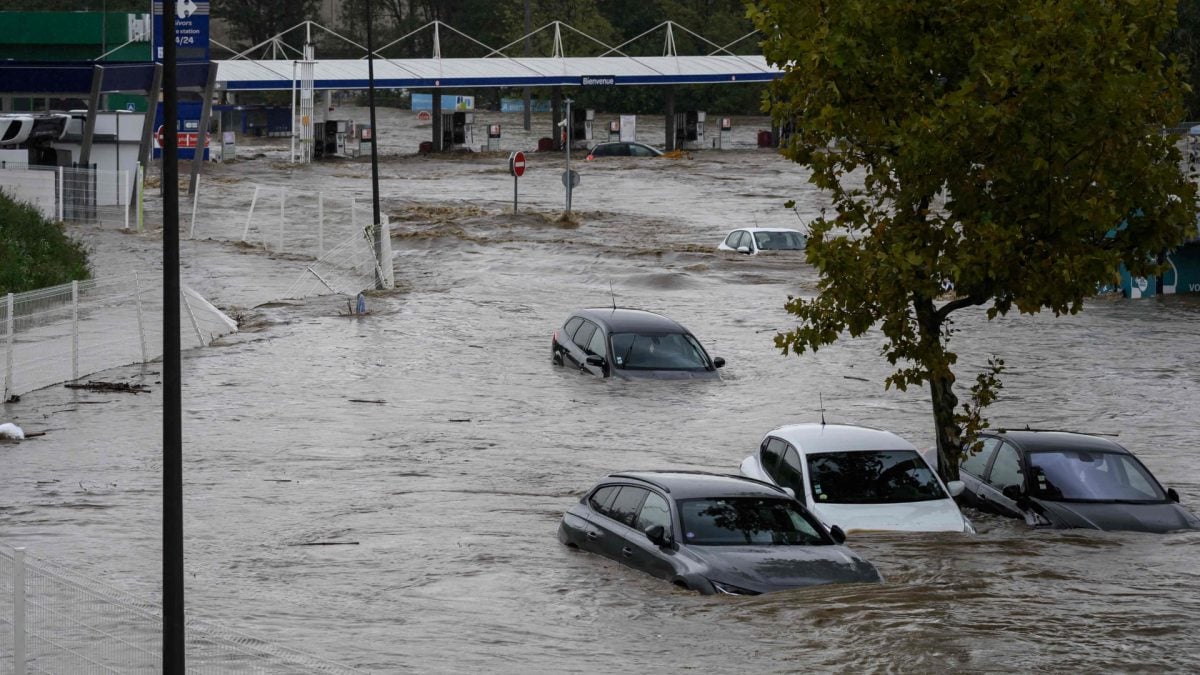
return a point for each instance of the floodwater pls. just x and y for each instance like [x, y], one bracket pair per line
[436, 443]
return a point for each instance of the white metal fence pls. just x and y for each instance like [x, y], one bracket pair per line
[65, 332]
[77, 195]
[334, 229]
[55, 620]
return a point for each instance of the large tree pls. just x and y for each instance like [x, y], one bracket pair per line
[1011, 152]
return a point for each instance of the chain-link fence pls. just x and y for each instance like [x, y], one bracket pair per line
[65, 332]
[76, 195]
[55, 620]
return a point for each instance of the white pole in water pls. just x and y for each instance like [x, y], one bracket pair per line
[137, 295]
[8, 347]
[19, 610]
[567, 146]
[250, 214]
[75, 330]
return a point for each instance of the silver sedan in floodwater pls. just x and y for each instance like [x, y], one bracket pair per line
[710, 533]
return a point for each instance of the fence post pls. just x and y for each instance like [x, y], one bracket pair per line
[137, 294]
[191, 316]
[125, 194]
[141, 188]
[8, 355]
[19, 611]
[62, 193]
[282, 202]
[74, 330]
[320, 224]
[353, 217]
[250, 214]
[195, 198]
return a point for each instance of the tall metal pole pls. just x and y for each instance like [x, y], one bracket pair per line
[377, 231]
[174, 651]
[567, 146]
[528, 53]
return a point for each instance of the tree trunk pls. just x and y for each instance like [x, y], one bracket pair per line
[941, 389]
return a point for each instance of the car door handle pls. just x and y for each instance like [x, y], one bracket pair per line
[627, 551]
[592, 536]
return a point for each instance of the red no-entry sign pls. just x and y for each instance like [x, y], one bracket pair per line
[516, 164]
[516, 167]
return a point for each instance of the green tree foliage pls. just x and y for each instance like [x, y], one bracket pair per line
[1185, 42]
[253, 21]
[34, 252]
[1010, 151]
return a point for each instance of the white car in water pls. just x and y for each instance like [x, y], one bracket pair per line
[754, 240]
[858, 478]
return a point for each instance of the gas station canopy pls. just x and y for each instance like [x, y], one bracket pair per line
[251, 75]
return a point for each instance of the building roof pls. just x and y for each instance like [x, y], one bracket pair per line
[246, 74]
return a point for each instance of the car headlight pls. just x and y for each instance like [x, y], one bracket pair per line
[967, 526]
[730, 589]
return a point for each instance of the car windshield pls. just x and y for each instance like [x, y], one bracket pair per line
[1090, 475]
[871, 477]
[658, 351]
[779, 241]
[738, 521]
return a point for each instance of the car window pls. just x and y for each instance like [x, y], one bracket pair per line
[789, 474]
[731, 240]
[739, 521]
[599, 151]
[596, 344]
[571, 326]
[1091, 475]
[779, 241]
[657, 351]
[583, 336]
[640, 151]
[975, 463]
[655, 511]
[625, 507]
[772, 451]
[871, 477]
[600, 498]
[743, 240]
[621, 149]
[1006, 469]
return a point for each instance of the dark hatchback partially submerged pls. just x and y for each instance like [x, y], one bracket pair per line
[710, 533]
[1069, 480]
[631, 344]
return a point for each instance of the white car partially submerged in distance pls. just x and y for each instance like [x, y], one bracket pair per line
[755, 240]
[858, 478]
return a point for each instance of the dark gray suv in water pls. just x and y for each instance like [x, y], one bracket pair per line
[710, 533]
[631, 344]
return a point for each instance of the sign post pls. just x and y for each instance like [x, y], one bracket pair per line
[516, 167]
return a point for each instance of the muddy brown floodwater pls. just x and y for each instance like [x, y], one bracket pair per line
[453, 482]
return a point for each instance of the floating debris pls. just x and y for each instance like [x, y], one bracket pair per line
[93, 385]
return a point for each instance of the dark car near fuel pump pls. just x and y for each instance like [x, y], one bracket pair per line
[1063, 479]
[631, 344]
[710, 533]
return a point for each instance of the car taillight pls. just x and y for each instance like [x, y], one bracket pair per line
[591, 157]
[554, 336]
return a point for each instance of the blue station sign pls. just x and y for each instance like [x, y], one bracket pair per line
[191, 29]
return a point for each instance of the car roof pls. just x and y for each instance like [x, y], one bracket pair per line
[1032, 440]
[702, 484]
[622, 319]
[767, 229]
[815, 437]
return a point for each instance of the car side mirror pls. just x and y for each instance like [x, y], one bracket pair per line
[718, 362]
[743, 249]
[595, 360]
[790, 492]
[956, 487]
[657, 535]
[1173, 495]
[837, 534]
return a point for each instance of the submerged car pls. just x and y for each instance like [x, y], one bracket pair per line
[710, 533]
[1065, 480]
[753, 240]
[858, 478]
[623, 149]
[631, 344]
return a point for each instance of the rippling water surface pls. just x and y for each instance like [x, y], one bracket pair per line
[436, 436]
